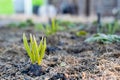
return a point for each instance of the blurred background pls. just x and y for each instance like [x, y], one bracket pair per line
[74, 10]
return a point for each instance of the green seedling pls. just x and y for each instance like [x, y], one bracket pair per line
[51, 29]
[29, 22]
[35, 52]
[57, 25]
[103, 38]
[65, 23]
[48, 29]
[81, 33]
[116, 26]
[12, 25]
[22, 24]
[110, 28]
[39, 27]
[94, 22]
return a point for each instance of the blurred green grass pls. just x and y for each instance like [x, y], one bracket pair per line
[6, 7]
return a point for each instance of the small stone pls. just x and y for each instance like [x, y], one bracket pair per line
[63, 64]
[117, 68]
[66, 75]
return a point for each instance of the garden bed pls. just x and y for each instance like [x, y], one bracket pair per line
[67, 57]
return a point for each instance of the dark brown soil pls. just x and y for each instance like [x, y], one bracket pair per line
[66, 58]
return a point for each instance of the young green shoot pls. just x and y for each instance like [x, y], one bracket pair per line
[103, 38]
[35, 52]
[51, 29]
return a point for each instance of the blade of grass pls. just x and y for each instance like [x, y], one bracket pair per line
[43, 48]
[27, 46]
[36, 49]
[32, 48]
